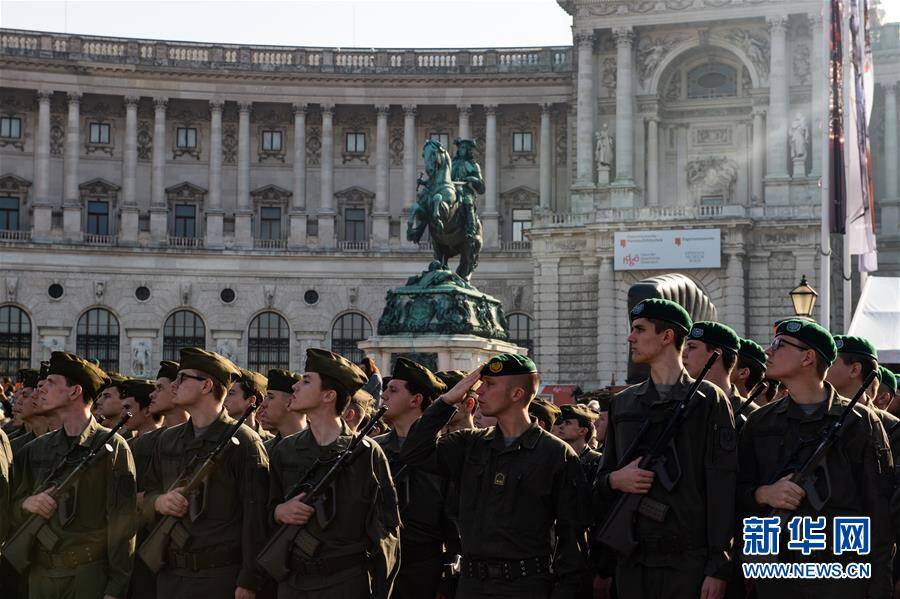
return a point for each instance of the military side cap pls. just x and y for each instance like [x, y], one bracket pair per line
[338, 368]
[139, 389]
[422, 378]
[29, 377]
[282, 380]
[716, 333]
[87, 374]
[543, 410]
[450, 377]
[887, 378]
[662, 309]
[256, 382]
[114, 379]
[812, 334]
[167, 370]
[752, 350]
[850, 344]
[45, 370]
[583, 414]
[364, 400]
[218, 367]
[507, 365]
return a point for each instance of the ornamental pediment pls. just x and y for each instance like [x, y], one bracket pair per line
[271, 193]
[185, 191]
[98, 186]
[13, 183]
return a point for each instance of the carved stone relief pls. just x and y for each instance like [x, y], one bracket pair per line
[313, 145]
[229, 143]
[57, 135]
[712, 175]
[396, 146]
[755, 45]
[651, 52]
[608, 74]
[144, 140]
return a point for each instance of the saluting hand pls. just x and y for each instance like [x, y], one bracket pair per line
[294, 511]
[41, 504]
[783, 495]
[632, 479]
[172, 503]
[460, 389]
[242, 593]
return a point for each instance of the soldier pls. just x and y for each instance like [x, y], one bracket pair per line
[278, 415]
[887, 390]
[779, 438]
[8, 579]
[688, 553]
[34, 423]
[517, 485]
[109, 402]
[15, 426]
[545, 413]
[94, 521]
[576, 427]
[463, 417]
[162, 399]
[360, 408]
[356, 522]
[750, 368]
[136, 400]
[421, 495]
[224, 521]
[251, 386]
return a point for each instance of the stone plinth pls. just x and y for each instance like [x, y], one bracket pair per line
[452, 352]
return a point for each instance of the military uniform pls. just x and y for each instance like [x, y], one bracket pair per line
[5, 484]
[143, 581]
[270, 443]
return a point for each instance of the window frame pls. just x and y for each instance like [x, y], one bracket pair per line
[346, 345]
[271, 134]
[363, 223]
[16, 333]
[8, 120]
[515, 221]
[522, 136]
[263, 221]
[440, 136]
[357, 135]
[177, 219]
[264, 339]
[527, 341]
[101, 128]
[92, 343]
[90, 218]
[173, 341]
[7, 212]
[187, 133]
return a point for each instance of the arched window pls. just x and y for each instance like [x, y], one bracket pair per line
[98, 338]
[712, 80]
[15, 340]
[182, 329]
[520, 331]
[348, 330]
[268, 343]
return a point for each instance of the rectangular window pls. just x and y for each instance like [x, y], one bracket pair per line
[356, 143]
[187, 137]
[99, 133]
[11, 127]
[271, 141]
[9, 214]
[521, 222]
[270, 223]
[185, 220]
[522, 142]
[98, 218]
[444, 138]
[354, 224]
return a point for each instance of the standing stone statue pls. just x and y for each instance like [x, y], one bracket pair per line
[799, 137]
[604, 146]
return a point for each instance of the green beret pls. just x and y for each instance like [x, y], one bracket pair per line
[167, 370]
[888, 379]
[113, 379]
[282, 380]
[576, 411]
[508, 364]
[218, 367]
[450, 377]
[139, 389]
[812, 334]
[87, 374]
[45, 370]
[255, 381]
[849, 344]
[751, 350]
[543, 410]
[29, 377]
[716, 333]
[338, 368]
[422, 378]
[662, 309]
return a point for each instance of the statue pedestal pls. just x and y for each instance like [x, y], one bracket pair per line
[798, 170]
[603, 175]
[448, 352]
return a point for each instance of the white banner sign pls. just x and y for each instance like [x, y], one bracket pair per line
[665, 250]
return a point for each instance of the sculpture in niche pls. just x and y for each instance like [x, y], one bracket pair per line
[57, 135]
[712, 175]
[799, 137]
[604, 146]
[801, 63]
[609, 74]
[755, 45]
[53, 343]
[227, 348]
[141, 352]
[12, 288]
[99, 289]
[144, 140]
[185, 293]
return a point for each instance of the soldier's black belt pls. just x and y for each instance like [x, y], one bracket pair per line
[325, 567]
[668, 544]
[204, 560]
[70, 558]
[502, 569]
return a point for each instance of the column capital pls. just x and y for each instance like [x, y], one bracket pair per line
[410, 109]
[44, 95]
[624, 36]
[490, 109]
[465, 109]
[160, 103]
[300, 108]
[382, 110]
[245, 106]
[652, 118]
[546, 108]
[216, 105]
[758, 111]
[327, 109]
[777, 24]
[74, 97]
[131, 101]
[583, 38]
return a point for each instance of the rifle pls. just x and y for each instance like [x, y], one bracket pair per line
[17, 549]
[153, 550]
[617, 531]
[274, 556]
[757, 391]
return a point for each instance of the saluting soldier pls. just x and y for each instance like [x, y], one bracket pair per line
[250, 386]
[687, 554]
[704, 338]
[94, 521]
[780, 437]
[750, 368]
[356, 522]
[517, 484]
[224, 521]
[278, 416]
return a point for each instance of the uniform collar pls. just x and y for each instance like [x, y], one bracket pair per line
[832, 406]
[84, 437]
[675, 393]
[306, 439]
[213, 431]
[528, 439]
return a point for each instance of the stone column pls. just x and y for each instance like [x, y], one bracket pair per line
[411, 151]
[490, 217]
[129, 230]
[298, 203]
[214, 212]
[43, 211]
[545, 160]
[779, 101]
[546, 315]
[681, 164]
[380, 214]
[652, 161]
[326, 188]
[818, 73]
[758, 162]
[584, 135]
[624, 107]
[71, 199]
[735, 313]
[465, 111]
[158, 211]
[243, 216]
[606, 316]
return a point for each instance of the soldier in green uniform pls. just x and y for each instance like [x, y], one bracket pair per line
[887, 390]
[250, 386]
[750, 368]
[136, 400]
[545, 413]
[360, 408]
[518, 486]
[703, 339]
[421, 495]
[95, 520]
[225, 519]
[162, 399]
[463, 418]
[356, 522]
[34, 422]
[109, 402]
[278, 416]
[779, 438]
[688, 553]
[576, 427]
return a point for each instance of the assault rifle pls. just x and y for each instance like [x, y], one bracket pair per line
[153, 550]
[17, 549]
[617, 531]
[757, 391]
[274, 556]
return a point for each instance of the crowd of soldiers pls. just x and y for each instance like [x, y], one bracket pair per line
[213, 481]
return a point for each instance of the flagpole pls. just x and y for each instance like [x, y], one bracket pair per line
[846, 264]
[825, 181]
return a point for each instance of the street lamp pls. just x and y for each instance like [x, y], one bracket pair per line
[804, 298]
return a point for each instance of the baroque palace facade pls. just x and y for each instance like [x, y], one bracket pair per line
[253, 199]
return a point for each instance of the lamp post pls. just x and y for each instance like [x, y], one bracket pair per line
[804, 299]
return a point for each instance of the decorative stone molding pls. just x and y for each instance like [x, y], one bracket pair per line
[755, 44]
[271, 194]
[396, 146]
[712, 175]
[651, 51]
[229, 143]
[145, 140]
[12, 288]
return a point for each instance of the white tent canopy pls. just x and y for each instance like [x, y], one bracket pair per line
[877, 317]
